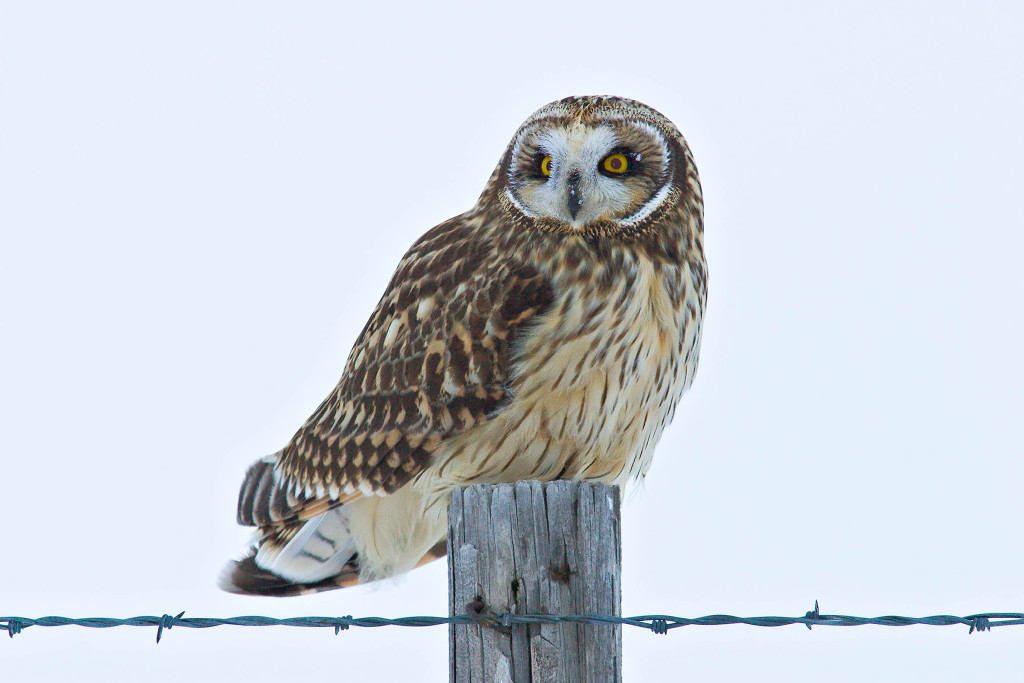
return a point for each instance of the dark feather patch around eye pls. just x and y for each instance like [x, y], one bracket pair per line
[539, 166]
[634, 167]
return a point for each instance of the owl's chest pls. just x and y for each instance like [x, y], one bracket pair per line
[599, 358]
[596, 380]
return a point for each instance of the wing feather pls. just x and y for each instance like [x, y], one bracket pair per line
[432, 361]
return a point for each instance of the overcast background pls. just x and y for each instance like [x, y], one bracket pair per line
[201, 202]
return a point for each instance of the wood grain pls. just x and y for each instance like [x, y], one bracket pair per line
[535, 548]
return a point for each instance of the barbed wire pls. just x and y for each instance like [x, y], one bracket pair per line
[656, 623]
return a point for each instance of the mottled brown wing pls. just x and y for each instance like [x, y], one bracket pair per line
[432, 361]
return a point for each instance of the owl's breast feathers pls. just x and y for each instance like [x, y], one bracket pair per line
[498, 353]
[595, 377]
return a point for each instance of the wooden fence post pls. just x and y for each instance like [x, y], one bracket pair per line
[535, 548]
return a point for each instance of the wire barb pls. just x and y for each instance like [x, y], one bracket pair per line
[979, 624]
[13, 627]
[166, 622]
[659, 626]
[814, 615]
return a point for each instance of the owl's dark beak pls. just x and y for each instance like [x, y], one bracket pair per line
[574, 194]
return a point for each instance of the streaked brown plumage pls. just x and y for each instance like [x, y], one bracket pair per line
[546, 333]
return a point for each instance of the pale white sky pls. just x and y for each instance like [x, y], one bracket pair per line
[201, 202]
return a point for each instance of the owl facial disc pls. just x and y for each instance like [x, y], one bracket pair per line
[575, 169]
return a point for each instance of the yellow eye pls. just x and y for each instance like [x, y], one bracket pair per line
[545, 166]
[615, 163]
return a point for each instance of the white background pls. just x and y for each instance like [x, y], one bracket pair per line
[201, 202]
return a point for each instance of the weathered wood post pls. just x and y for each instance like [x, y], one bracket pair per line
[535, 548]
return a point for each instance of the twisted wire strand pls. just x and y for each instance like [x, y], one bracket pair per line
[656, 623]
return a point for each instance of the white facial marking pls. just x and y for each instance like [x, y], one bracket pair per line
[654, 202]
[578, 149]
[646, 210]
[518, 204]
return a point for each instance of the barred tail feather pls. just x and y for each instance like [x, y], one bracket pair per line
[310, 552]
[307, 545]
[302, 545]
[295, 559]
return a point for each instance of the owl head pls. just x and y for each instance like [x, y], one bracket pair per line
[586, 165]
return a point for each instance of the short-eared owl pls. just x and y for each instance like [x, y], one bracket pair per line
[546, 333]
